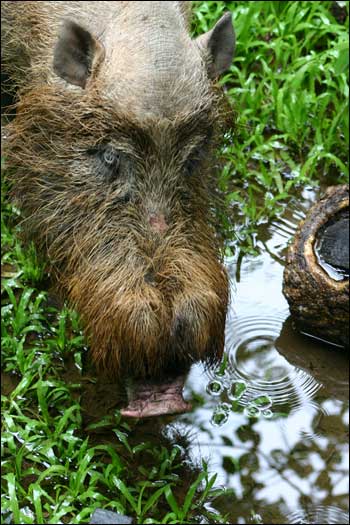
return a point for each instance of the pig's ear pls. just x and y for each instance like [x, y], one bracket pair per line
[75, 53]
[220, 45]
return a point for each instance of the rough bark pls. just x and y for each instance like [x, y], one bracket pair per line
[319, 303]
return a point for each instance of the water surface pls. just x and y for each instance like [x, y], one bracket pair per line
[283, 450]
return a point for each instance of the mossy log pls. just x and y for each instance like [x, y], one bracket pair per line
[316, 276]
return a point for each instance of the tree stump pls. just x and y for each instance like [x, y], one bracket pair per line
[316, 276]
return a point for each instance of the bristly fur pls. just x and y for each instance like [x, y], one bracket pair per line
[152, 303]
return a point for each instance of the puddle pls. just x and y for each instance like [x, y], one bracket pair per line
[274, 425]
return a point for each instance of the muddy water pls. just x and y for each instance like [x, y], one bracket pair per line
[283, 448]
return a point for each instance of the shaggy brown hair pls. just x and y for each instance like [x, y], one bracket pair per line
[123, 207]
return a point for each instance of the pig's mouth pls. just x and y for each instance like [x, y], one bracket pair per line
[147, 399]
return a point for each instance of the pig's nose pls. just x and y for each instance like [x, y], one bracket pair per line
[158, 222]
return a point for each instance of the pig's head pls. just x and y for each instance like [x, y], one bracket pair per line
[114, 162]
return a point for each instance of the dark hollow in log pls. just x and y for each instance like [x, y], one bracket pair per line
[316, 277]
[332, 244]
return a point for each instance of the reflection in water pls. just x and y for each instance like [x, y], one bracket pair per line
[328, 366]
[253, 359]
[319, 515]
[274, 422]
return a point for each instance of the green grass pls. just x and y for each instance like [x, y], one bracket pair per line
[288, 84]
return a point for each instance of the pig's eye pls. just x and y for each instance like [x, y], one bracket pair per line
[108, 155]
[108, 162]
[111, 157]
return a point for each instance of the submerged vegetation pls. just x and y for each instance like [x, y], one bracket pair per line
[289, 87]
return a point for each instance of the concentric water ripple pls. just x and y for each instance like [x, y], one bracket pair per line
[256, 375]
[319, 514]
[274, 376]
[254, 359]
